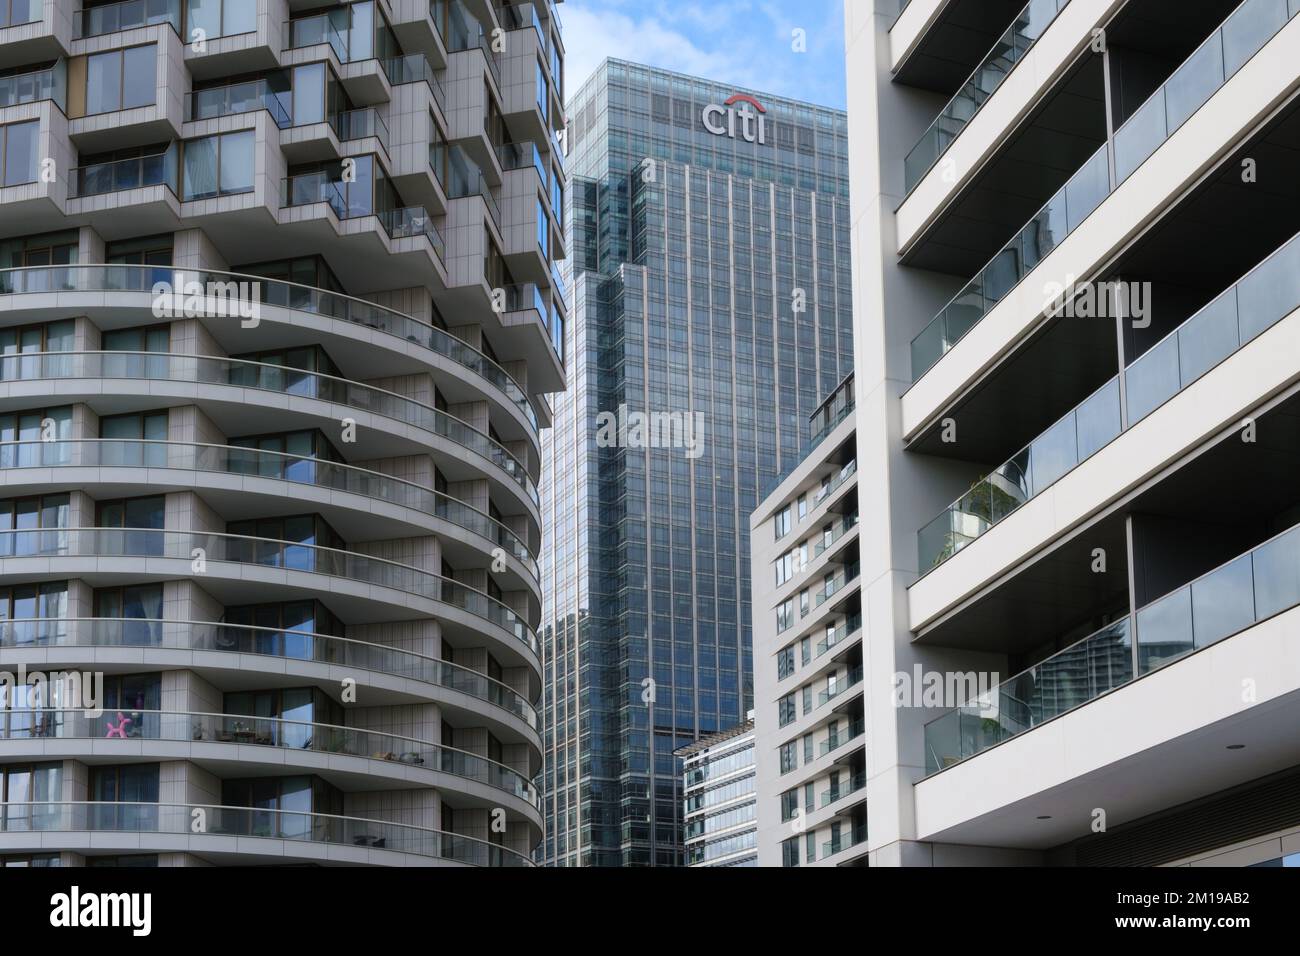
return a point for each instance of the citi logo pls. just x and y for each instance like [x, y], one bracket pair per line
[741, 110]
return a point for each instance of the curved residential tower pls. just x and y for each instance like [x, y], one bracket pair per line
[278, 318]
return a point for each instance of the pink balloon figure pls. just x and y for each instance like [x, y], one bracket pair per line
[120, 729]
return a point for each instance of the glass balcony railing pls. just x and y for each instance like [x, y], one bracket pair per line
[315, 30]
[525, 296]
[1215, 61]
[277, 294]
[221, 459]
[856, 729]
[295, 825]
[414, 68]
[1261, 299]
[236, 98]
[265, 642]
[837, 533]
[49, 84]
[521, 156]
[465, 179]
[851, 680]
[847, 841]
[1075, 201]
[837, 637]
[1249, 589]
[181, 726]
[269, 553]
[112, 17]
[411, 222]
[1010, 49]
[363, 123]
[837, 584]
[466, 33]
[1242, 35]
[160, 169]
[836, 793]
[521, 16]
[198, 369]
[1082, 672]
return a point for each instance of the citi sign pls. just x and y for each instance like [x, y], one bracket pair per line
[743, 111]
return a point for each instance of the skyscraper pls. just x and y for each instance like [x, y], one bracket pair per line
[711, 311]
[281, 280]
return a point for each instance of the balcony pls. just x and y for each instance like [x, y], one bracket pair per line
[180, 726]
[267, 553]
[1234, 597]
[246, 97]
[521, 156]
[856, 729]
[837, 533]
[838, 792]
[856, 837]
[29, 633]
[48, 84]
[851, 680]
[220, 459]
[996, 66]
[1257, 302]
[465, 33]
[236, 373]
[300, 828]
[837, 637]
[306, 189]
[414, 68]
[465, 179]
[837, 584]
[362, 124]
[1189, 88]
[129, 15]
[317, 30]
[160, 169]
[284, 295]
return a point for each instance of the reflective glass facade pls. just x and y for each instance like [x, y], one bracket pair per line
[711, 291]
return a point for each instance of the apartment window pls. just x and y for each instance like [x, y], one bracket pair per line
[805, 651]
[31, 859]
[143, 338]
[219, 165]
[22, 347]
[786, 710]
[790, 852]
[30, 525]
[803, 603]
[782, 522]
[803, 507]
[807, 748]
[286, 629]
[784, 617]
[543, 230]
[810, 846]
[16, 12]
[46, 249]
[143, 251]
[133, 613]
[543, 89]
[807, 698]
[789, 757]
[133, 691]
[134, 439]
[293, 542]
[19, 152]
[121, 79]
[25, 609]
[26, 784]
[126, 791]
[789, 804]
[809, 796]
[221, 18]
[140, 520]
[785, 663]
[132, 860]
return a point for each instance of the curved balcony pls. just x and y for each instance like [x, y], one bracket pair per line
[179, 819]
[131, 725]
[275, 466]
[238, 373]
[267, 553]
[283, 295]
[289, 645]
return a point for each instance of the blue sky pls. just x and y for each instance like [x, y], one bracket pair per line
[743, 42]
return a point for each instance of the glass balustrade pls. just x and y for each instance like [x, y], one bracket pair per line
[837, 584]
[315, 30]
[50, 84]
[159, 169]
[856, 729]
[139, 724]
[286, 295]
[128, 15]
[996, 66]
[220, 459]
[266, 642]
[521, 156]
[852, 679]
[1257, 302]
[1242, 35]
[838, 531]
[300, 826]
[837, 637]
[240, 98]
[255, 375]
[414, 68]
[267, 553]
[359, 124]
[838, 792]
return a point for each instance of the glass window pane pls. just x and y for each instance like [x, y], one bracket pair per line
[309, 94]
[103, 82]
[138, 76]
[237, 162]
[238, 16]
[1165, 630]
[1194, 82]
[1248, 29]
[20, 153]
[1208, 337]
[1099, 420]
[201, 168]
[1270, 292]
[205, 15]
[1153, 379]
[1053, 454]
